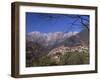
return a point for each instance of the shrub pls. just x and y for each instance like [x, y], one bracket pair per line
[69, 58]
[74, 58]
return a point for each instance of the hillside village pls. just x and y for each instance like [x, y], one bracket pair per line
[56, 53]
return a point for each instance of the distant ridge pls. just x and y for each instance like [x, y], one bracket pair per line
[82, 38]
[84, 35]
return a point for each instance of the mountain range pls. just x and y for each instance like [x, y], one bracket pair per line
[47, 39]
[58, 38]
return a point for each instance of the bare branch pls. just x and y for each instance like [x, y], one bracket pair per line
[84, 24]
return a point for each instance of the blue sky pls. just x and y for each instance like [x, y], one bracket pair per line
[47, 22]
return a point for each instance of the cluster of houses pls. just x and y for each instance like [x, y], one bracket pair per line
[56, 52]
[62, 49]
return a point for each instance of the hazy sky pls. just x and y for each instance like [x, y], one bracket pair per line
[46, 22]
